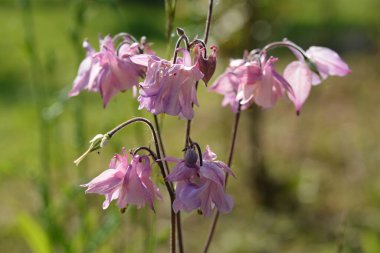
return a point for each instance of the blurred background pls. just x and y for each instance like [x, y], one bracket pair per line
[304, 184]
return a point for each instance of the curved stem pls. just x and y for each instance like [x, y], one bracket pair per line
[146, 149]
[199, 152]
[287, 44]
[180, 39]
[230, 157]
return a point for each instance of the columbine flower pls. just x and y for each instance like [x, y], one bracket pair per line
[201, 186]
[108, 71]
[320, 63]
[264, 85]
[230, 83]
[251, 81]
[169, 88]
[128, 182]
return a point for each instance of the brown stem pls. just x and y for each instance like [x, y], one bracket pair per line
[208, 21]
[232, 147]
[160, 142]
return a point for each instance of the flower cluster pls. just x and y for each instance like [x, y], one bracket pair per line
[169, 87]
[110, 70]
[198, 181]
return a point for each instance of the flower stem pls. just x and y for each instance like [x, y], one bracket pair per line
[205, 38]
[230, 157]
[285, 43]
[157, 125]
[208, 21]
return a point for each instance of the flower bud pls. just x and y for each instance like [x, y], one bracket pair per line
[99, 141]
[191, 157]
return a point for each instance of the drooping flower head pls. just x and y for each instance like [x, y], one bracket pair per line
[126, 182]
[200, 185]
[251, 80]
[169, 87]
[108, 71]
[254, 78]
[311, 68]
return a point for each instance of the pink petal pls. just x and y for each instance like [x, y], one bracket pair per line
[298, 75]
[328, 61]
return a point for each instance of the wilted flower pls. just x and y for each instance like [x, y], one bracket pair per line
[108, 71]
[201, 186]
[128, 182]
[319, 64]
[169, 88]
[206, 65]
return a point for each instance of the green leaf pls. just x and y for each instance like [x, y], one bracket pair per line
[33, 234]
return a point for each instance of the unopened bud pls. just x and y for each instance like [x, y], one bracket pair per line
[180, 31]
[99, 141]
[191, 157]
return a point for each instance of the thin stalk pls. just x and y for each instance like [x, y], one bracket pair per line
[230, 157]
[170, 7]
[178, 215]
[208, 21]
[157, 125]
[205, 38]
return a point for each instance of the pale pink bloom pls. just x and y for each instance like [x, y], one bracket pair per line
[82, 79]
[251, 81]
[108, 71]
[265, 85]
[169, 88]
[299, 77]
[328, 63]
[128, 182]
[302, 74]
[231, 82]
[201, 187]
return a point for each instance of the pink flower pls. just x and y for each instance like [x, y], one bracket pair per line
[201, 186]
[230, 83]
[251, 81]
[302, 74]
[128, 182]
[169, 88]
[264, 85]
[108, 71]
